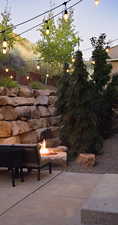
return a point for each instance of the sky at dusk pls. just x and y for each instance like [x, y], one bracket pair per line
[89, 20]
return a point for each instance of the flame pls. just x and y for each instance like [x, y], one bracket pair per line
[43, 149]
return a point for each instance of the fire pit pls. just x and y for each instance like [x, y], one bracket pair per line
[57, 155]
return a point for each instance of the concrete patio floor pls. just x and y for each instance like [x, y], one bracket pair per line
[55, 200]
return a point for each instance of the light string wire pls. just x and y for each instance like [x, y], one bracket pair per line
[35, 17]
[68, 8]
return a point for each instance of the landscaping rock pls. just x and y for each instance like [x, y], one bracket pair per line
[8, 113]
[11, 92]
[86, 160]
[24, 91]
[19, 127]
[44, 112]
[42, 100]
[10, 140]
[5, 129]
[52, 100]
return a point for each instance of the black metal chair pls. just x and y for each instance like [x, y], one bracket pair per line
[32, 160]
[12, 158]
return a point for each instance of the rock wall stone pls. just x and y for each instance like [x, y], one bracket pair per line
[28, 116]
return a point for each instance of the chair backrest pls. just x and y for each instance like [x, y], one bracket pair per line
[31, 155]
[10, 157]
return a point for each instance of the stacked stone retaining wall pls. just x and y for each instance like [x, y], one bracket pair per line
[27, 116]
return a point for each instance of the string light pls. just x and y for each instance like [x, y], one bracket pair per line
[47, 27]
[4, 51]
[73, 59]
[107, 49]
[97, 2]
[11, 77]
[27, 77]
[4, 45]
[93, 62]
[6, 70]
[65, 13]
[38, 67]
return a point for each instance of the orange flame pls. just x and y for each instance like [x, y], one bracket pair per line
[43, 150]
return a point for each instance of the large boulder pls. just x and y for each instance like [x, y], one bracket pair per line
[25, 91]
[52, 100]
[15, 101]
[27, 112]
[39, 123]
[19, 127]
[44, 112]
[8, 113]
[42, 100]
[5, 129]
[86, 160]
[10, 140]
[11, 92]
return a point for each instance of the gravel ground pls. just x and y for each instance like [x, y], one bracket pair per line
[105, 163]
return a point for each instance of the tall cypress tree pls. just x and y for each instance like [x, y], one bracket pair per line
[101, 76]
[78, 121]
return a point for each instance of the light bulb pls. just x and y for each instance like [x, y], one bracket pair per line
[97, 2]
[73, 59]
[47, 75]
[67, 70]
[107, 49]
[4, 44]
[4, 51]
[47, 30]
[11, 77]
[6, 70]
[27, 77]
[38, 67]
[93, 62]
[66, 15]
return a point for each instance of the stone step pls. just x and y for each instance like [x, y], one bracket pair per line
[102, 206]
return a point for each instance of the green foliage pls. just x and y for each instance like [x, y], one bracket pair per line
[37, 85]
[57, 47]
[8, 82]
[78, 120]
[7, 26]
[102, 69]
[102, 105]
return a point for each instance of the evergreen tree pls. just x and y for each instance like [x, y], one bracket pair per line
[79, 123]
[101, 76]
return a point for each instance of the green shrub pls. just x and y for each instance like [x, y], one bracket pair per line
[37, 85]
[8, 82]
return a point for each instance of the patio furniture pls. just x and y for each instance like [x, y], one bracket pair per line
[12, 158]
[32, 159]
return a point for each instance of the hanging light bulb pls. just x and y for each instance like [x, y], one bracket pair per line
[93, 62]
[107, 49]
[67, 70]
[73, 59]
[66, 15]
[6, 70]
[4, 44]
[27, 77]
[47, 27]
[11, 77]
[38, 67]
[4, 51]
[97, 2]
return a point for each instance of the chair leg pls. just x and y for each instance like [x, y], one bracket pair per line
[38, 175]
[13, 176]
[50, 167]
[21, 174]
